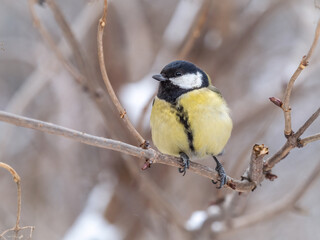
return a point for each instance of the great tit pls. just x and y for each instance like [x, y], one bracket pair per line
[189, 116]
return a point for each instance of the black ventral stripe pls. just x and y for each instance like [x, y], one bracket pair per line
[184, 120]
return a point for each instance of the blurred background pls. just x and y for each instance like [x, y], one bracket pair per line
[72, 191]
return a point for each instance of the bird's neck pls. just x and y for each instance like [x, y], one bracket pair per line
[170, 92]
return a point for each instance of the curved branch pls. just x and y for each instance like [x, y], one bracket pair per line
[16, 229]
[293, 141]
[114, 98]
[16, 179]
[286, 100]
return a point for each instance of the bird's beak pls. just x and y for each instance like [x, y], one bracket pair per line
[159, 78]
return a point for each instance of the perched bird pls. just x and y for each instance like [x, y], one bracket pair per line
[189, 116]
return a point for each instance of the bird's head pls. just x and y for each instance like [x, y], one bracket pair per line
[180, 77]
[184, 75]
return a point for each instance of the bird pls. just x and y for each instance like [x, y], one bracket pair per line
[189, 116]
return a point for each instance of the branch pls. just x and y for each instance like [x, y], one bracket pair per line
[307, 124]
[114, 98]
[255, 171]
[17, 180]
[310, 139]
[151, 154]
[304, 62]
[293, 141]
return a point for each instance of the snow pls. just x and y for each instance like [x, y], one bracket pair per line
[196, 220]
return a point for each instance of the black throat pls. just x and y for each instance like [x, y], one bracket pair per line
[170, 92]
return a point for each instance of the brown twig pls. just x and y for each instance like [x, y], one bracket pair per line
[292, 142]
[17, 180]
[114, 98]
[310, 139]
[286, 99]
[153, 155]
[307, 124]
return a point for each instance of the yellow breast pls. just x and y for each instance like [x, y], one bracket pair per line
[199, 124]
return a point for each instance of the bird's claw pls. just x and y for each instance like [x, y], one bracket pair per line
[222, 174]
[185, 163]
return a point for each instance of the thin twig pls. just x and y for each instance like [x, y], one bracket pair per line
[278, 156]
[311, 119]
[153, 155]
[292, 142]
[114, 98]
[17, 180]
[16, 229]
[286, 99]
[310, 139]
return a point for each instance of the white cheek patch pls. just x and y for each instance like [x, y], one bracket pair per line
[188, 81]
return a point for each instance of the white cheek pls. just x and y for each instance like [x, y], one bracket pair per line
[188, 81]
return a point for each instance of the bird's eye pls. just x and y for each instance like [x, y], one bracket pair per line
[178, 74]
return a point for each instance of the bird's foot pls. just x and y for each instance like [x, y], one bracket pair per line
[222, 174]
[185, 162]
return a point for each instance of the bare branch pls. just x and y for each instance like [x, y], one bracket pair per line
[17, 180]
[154, 156]
[310, 139]
[307, 124]
[114, 98]
[255, 171]
[278, 156]
[286, 99]
[292, 142]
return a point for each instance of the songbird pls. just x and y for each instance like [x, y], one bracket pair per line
[189, 117]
